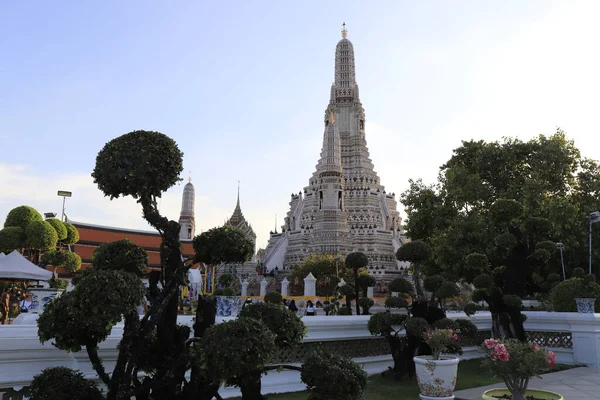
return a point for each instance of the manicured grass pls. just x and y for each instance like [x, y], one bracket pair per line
[470, 375]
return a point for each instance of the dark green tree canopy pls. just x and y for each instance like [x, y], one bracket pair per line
[415, 252]
[288, 328]
[121, 255]
[222, 245]
[62, 259]
[57, 383]
[324, 267]
[331, 377]
[356, 260]
[21, 216]
[148, 171]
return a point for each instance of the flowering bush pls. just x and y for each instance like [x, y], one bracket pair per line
[442, 340]
[516, 362]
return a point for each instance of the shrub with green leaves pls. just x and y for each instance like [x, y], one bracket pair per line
[401, 285]
[87, 314]
[72, 234]
[273, 298]
[59, 227]
[288, 328]
[234, 348]
[57, 283]
[562, 297]
[123, 255]
[226, 280]
[12, 238]
[68, 260]
[383, 323]
[331, 377]
[471, 308]
[22, 216]
[62, 383]
[417, 327]
[366, 304]
[41, 235]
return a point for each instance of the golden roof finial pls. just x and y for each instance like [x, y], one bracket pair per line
[344, 31]
[331, 117]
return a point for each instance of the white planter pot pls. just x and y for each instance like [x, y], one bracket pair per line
[228, 306]
[436, 378]
[585, 305]
[42, 296]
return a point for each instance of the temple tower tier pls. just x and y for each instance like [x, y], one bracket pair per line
[344, 208]
[186, 218]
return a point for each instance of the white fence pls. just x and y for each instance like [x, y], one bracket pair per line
[575, 338]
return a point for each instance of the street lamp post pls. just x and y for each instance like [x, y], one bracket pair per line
[64, 194]
[593, 217]
[560, 247]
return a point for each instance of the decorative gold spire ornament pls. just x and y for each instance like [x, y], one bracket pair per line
[344, 31]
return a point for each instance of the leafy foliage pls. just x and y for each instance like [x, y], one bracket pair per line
[222, 245]
[356, 260]
[562, 297]
[415, 252]
[366, 304]
[138, 164]
[226, 280]
[41, 235]
[382, 323]
[121, 255]
[417, 327]
[72, 234]
[324, 267]
[87, 314]
[221, 344]
[288, 328]
[62, 383]
[331, 377]
[11, 238]
[401, 285]
[57, 283]
[273, 298]
[59, 226]
[22, 216]
[68, 260]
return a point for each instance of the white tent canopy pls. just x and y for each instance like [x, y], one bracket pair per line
[15, 266]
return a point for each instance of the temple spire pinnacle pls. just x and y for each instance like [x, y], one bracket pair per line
[344, 31]
[238, 198]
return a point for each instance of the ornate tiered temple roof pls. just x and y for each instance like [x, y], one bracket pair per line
[345, 208]
[237, 220]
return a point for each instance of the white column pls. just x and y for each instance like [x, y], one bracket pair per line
[263, 287]
[245, 287]
[310, 285]
[394, 294]
[284, 286]
[370, 291]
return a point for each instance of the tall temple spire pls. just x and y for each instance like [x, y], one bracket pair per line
[187, 218]
[238, 221]
[344, 31]
[237, 206]
[344, 90]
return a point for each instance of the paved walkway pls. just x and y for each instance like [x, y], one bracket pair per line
[574, 384]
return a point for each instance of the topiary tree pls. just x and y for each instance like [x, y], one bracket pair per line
[416, 252]
[121, 255]
[58, 383]
[222, 245]
[364, 282]
[562, 297]
[401, 285]
[390, 326]
[326, 268]
[12, 238]
[273, 298]
[349, 293]
[331, 377]
[59, 227]
[41, 236]
[446, 290]
[21, 217]
[72, 234]
[356, 261]
[365, 303]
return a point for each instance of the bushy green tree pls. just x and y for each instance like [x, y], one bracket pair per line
[59, 227]
[331, 377]
[72, 234]
[41, 236]
[326, 268]
[356, 261]
[22, 216]
[61, 383]
[223, 245]
[12, 238]
[416, 253]
[497, 206]
[121, 255]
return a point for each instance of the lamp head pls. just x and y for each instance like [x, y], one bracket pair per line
[595, 216]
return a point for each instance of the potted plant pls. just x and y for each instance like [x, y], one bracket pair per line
[587, 294]
[516, 363]
[436, 374]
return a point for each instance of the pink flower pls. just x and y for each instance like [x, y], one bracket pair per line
[490, 343]
[450, 330]
[455, 336]
[551, 357]
[536, 346]
[503, 356]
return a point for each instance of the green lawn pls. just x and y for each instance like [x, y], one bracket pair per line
[470, 375]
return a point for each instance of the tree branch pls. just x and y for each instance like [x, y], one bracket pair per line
[92, 351]
[285, 366]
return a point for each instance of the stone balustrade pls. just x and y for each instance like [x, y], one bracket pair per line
[575, 338]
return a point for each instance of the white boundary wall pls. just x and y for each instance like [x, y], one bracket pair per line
[22, 356]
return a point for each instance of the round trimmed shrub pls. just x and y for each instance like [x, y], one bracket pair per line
[483, 281]
[397, 302]
[234, 348]
[22, 216]
[447, 290]
[62, 383]
[273, 298]
[226, 280]
[401, 285]
[140, 164]
[11, 238]
[121, 255]
[432, 283]
[41, 235]
[468, 330]
[562, 297]
[381, 323]
[416, 327]
[331, 377]
[228, 291]
[578, 272]
[471, 308]
[288, 328]
[366, 303]
[72, 234]
[445, 323]
[59, 227]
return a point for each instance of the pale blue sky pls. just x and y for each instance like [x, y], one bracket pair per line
[242, 87]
